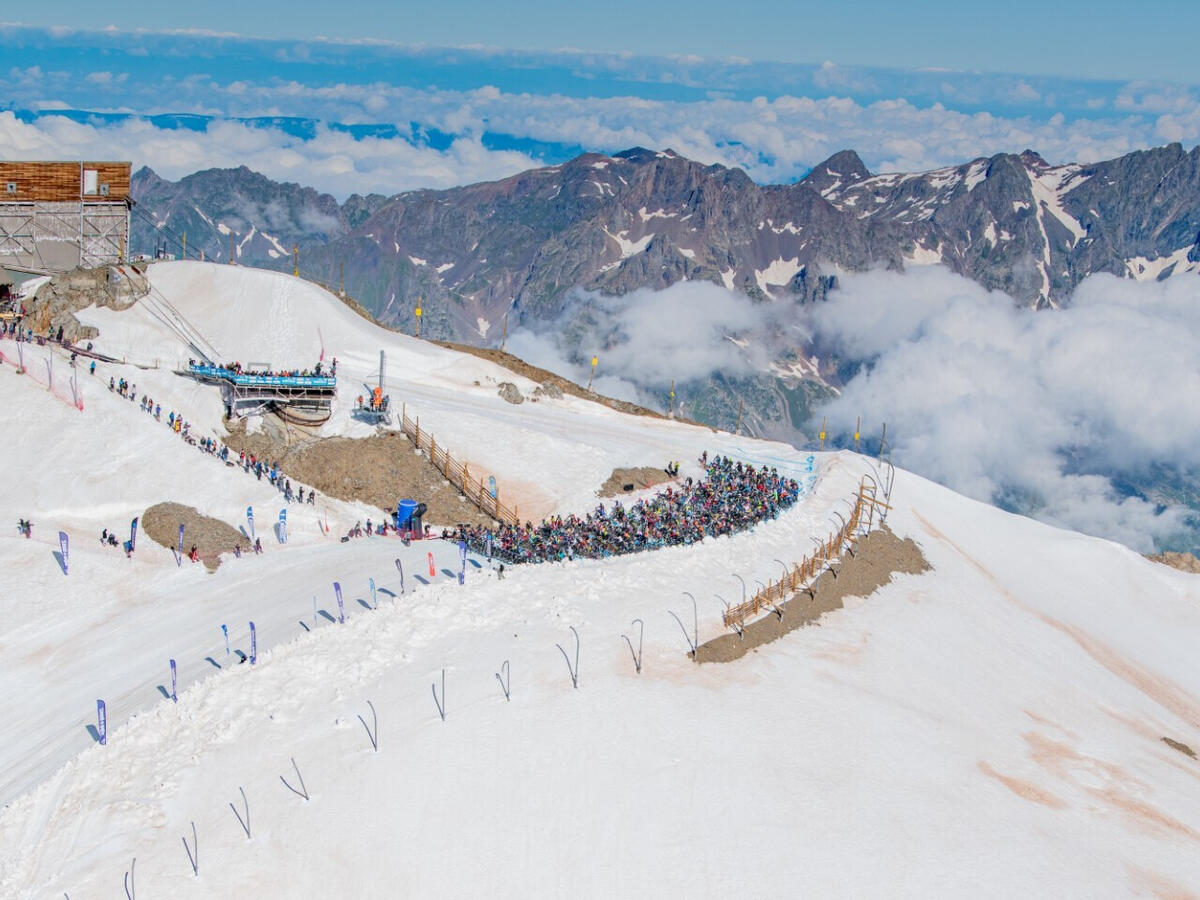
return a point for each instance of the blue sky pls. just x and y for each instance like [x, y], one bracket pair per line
[385, 113]
[1073, 38]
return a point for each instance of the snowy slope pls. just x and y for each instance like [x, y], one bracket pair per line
[253, 315]
[101, 467]
[990, 727]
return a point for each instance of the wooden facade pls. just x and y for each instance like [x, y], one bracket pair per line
[25, 182]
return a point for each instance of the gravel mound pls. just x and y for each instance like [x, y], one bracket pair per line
[212, 537]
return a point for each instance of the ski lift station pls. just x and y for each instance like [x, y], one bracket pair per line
[59, 216]
[298, 399]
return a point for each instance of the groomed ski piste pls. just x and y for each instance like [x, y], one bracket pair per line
[991, 727]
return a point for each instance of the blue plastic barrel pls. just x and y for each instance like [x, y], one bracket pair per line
[404, 511]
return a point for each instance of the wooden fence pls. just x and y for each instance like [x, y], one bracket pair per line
[457, 473]
[803, 574]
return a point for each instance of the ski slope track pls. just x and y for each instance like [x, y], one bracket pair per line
[991, 727]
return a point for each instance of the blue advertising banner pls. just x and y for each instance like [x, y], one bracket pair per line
[253, 645]
[179, 547]
[250, 519]
[174, 699]
[133, 534]
[102, 721]
[337, 589]
[64, 548]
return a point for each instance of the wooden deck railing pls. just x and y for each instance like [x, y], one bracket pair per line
[804, 573]
[457, 473]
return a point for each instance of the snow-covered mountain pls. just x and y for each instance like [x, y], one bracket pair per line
[651, 219]
[1021, 719]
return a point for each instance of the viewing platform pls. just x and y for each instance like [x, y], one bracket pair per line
[300, 399]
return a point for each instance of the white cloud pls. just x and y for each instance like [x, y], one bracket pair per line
[681, 333]
[848, 79]
[27, 76]
[332, 160]
[774, 140]
[1044, 411]
[106, 79]
[775, 137]
[1153, 97]
[1024, 92]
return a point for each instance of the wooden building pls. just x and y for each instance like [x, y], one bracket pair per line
[57, 216]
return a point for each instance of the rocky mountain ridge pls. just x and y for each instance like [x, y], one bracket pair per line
[642, 218]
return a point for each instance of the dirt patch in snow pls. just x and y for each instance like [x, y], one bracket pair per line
[1025, 789]
[1185, 562]
[547, 380]
[212, 537]
[1180, 746]
[378, 470]
[878, 556]
[624, 481]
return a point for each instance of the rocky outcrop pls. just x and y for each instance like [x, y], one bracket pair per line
[510, 393]
[55, 303]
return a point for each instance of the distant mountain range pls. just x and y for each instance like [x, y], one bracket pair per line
[647, 219]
